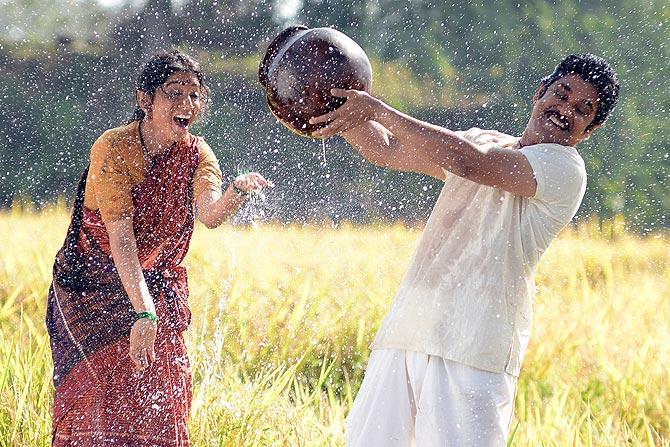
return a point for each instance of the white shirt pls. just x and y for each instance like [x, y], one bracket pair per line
[467, 295]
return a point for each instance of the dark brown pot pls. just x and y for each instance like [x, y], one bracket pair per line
[300, 67]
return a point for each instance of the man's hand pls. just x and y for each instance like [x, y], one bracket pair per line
[358, 108]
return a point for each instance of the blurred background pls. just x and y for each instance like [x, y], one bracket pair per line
[68, 68]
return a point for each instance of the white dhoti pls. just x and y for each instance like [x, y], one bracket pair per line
[414, 399]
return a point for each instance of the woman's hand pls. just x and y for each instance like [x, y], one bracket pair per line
[252, 181]
[142, 339]
[214, 208]
[359, 108]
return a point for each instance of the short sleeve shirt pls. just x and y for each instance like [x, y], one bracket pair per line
[117, 164]
[468, 290]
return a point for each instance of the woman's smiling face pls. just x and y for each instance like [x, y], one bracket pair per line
[176, 105]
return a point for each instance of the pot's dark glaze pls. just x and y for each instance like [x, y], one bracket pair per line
[300, 67]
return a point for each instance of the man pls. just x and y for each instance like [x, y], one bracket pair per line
[445, 362]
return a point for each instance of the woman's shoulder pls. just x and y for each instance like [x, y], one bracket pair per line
[204, 149]
[121, 136]
[121, 143]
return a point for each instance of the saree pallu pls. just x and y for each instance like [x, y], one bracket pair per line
[100, 400]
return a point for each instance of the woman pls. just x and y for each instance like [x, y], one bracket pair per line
[118, 301]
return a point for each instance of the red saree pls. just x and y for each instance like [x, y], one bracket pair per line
[99, 399]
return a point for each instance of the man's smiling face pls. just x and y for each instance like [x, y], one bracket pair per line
[563, 113]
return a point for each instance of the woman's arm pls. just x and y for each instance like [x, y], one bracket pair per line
[124, 252]
[215, 208]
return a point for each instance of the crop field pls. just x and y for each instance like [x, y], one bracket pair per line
[283, 315]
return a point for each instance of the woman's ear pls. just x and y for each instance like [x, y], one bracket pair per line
[144, 100]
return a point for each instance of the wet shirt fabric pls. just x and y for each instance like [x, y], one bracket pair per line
[99, 399]
[467, 294]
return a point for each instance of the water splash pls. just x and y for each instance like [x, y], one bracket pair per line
[256, 209]
[323, 151]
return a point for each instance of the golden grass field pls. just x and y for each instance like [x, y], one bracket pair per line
[283, 316]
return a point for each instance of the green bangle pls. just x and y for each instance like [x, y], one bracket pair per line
[149, 315]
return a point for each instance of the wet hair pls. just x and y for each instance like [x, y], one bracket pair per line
[159, 68]
[594, 70]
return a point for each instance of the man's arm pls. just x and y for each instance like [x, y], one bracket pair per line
[381, 148]
[503, 168]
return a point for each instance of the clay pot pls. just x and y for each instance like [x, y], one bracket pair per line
[300, 67]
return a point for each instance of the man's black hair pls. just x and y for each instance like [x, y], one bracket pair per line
[594, 70]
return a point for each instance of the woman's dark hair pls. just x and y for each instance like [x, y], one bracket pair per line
[159, 68]
[594, 70]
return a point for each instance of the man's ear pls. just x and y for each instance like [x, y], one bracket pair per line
[589, 131]
[539, 92]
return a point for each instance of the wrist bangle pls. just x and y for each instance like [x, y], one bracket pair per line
[148, 315]
[240, 192]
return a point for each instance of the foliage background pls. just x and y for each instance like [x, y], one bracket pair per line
[67, 70]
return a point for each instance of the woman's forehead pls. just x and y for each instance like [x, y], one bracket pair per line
[182, 78]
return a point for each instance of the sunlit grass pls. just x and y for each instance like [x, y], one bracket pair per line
[283, 317]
